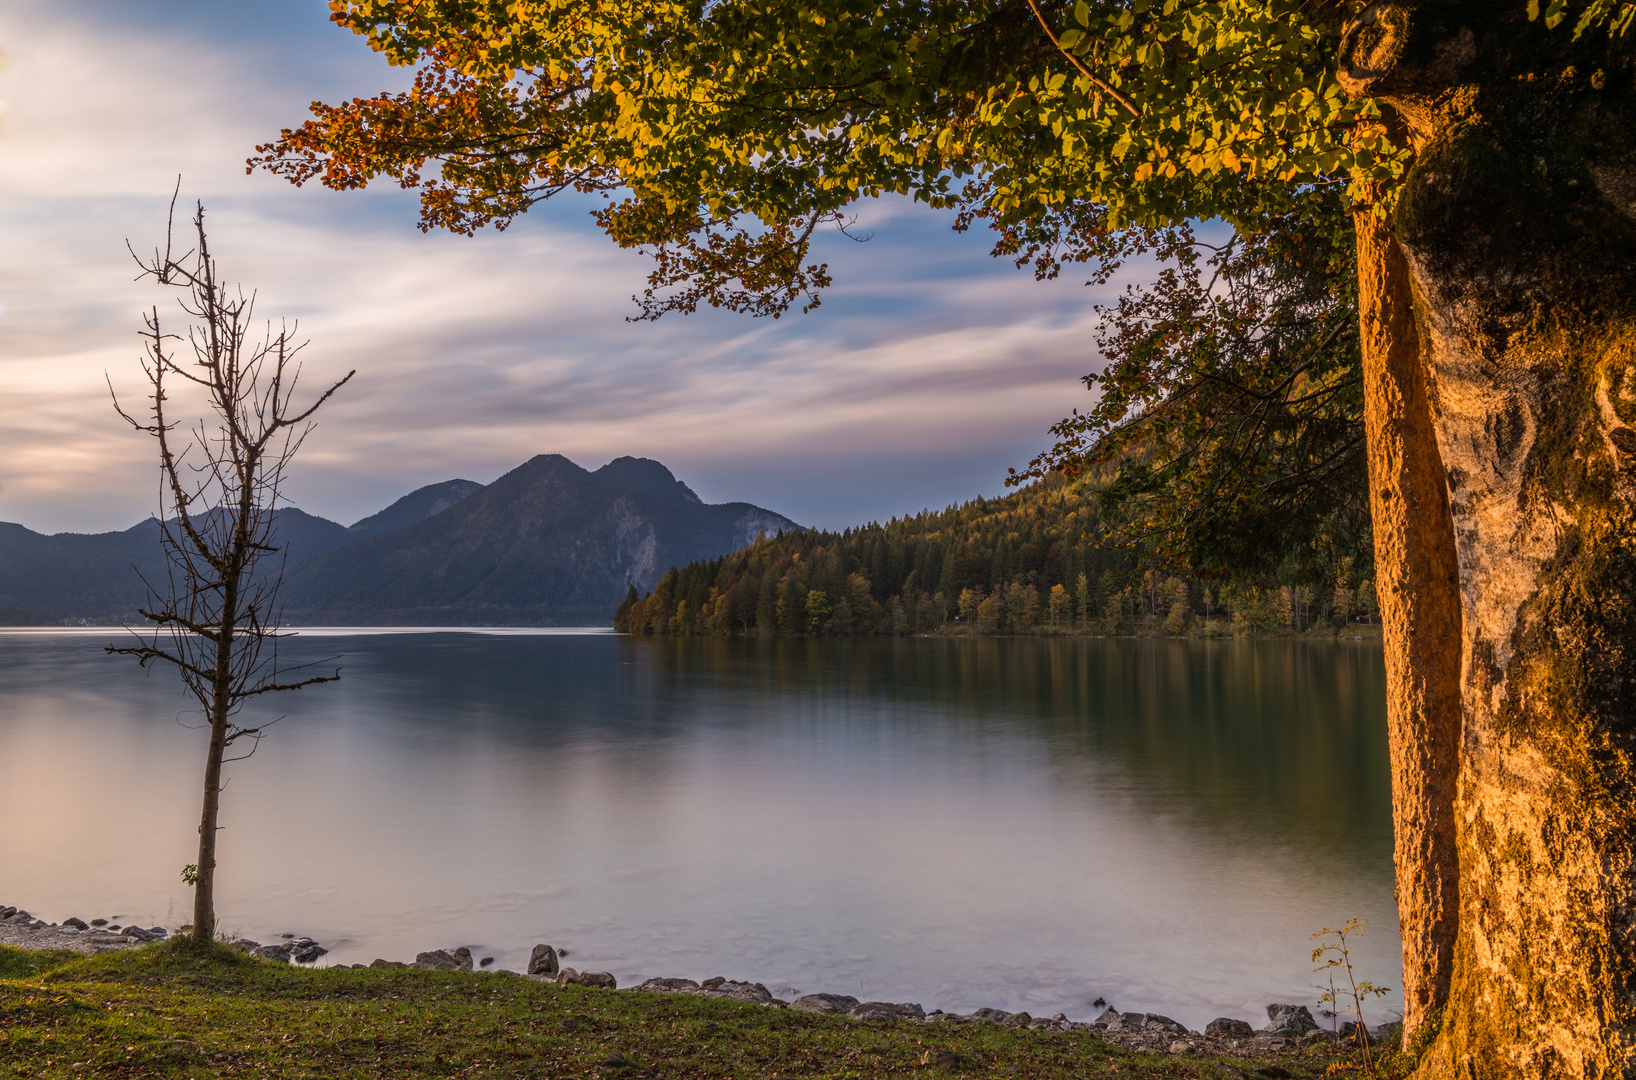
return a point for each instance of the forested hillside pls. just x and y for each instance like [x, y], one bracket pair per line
[1032, 562]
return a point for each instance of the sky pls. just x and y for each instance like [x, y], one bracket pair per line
[928, 371]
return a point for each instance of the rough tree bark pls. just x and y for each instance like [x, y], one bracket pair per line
[1517, 228]
[1418, 585]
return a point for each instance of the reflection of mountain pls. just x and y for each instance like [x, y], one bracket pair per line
[1268, 745]
[548, 543]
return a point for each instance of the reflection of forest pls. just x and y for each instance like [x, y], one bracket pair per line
[1270, 742]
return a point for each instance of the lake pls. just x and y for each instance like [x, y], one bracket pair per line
[1016, 823]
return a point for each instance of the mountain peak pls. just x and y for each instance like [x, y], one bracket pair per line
[647, 476]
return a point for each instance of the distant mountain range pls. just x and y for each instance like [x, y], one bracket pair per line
[547, 544]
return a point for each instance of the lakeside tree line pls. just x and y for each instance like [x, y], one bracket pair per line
[1034, 562]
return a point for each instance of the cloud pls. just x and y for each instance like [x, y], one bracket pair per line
[928, 370]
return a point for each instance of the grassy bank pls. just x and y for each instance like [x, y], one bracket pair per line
[173, 1011]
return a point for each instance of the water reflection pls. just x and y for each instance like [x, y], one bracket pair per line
[1027, 824]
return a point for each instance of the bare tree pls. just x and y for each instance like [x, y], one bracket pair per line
[216, 619]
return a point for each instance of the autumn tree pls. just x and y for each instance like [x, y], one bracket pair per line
[214, 617]
[1489, 163]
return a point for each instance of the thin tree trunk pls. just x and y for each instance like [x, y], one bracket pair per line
[204, 887]
[1417, 590]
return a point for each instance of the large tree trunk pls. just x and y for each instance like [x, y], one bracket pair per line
[1418, 584]
[1518, 226]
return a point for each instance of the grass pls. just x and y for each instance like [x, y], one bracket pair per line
[182, 1010]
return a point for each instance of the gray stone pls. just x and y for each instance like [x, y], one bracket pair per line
[543, 961]
[1225, 1027]
[565, 975]
[1182, 1046]
[101, 922]
[669, 986]
[7, 911]
[1288, 1020]
[439, 960]
[307, 952]
[994, 1016]
[1021, 1019]
[462, 958]
[599, 979]
[274, 952]
[1354, 1034]
[1109, 1019]
[825, 1003]
[754, 993]
[486, 961]
[244, 945]
[387, 964]
[886, 1010]
[1155, 1022]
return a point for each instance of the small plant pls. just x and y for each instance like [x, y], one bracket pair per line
[1332, 957]
[190, 873]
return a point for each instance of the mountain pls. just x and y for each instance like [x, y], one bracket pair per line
[549, 543]
[413, 508]
[99, 576]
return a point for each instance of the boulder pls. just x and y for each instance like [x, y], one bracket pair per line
[669, 986]
[599, 979]
[307, 952]
[439, 960]
[101, 922]
[1182, 1046]
[825, 1003]
[1355, 1034]
[994, 1016]
[274, 952]
[886, 1010]
[1021, 1019]
[462, 957]
[387, 964]
[754, 993]
[1225, 1027]
[244, 945]
[486, 961]
[543, 961]
[7, 911]
[1288, 1020]
[1109, 1018]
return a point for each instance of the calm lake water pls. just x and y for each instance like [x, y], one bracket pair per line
[1024, 824]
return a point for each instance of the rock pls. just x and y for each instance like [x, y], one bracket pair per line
[947, 1059]
[754, 993]
[668, 986]
[187, 928]
[1060, 1018]
[1225, 1027]
[1098, 1003]
[274, 952]
[307, 952]
[1227, 1072]
[886, 1010]
[77, 924]
[1288, 1020]
[244, 945]
[600, 979]
[993, 1016]
[543, 961]
[1021, 1019]
[1155, 1022]
[1182, 1046]
[1390, 1034]
[715, 981]
[825, 1003]
[616, 1060]
[387, 964]
[566, 975]
[101, 922]
[439, 960]
[1353, 1033]
[462, 957]
[486, 961]
[7, 911]
[1109, 1018]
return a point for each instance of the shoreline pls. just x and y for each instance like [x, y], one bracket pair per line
[1290, 1029]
